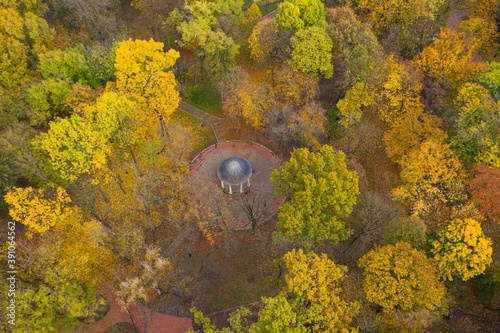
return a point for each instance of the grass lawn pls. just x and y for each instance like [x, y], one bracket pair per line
[202, 132]
[205, 97]
[267, 10]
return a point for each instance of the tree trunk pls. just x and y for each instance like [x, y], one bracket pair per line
[144, 318]
[135, 161]
[102, 193]
[116, 177]
[150, 217]
[195, 68]
[237, 122]
[202, 59]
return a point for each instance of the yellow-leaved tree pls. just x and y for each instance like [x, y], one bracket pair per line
[263, 42]
[71, 148]
[37, 209]
[431, 164]
[461, 249]
[484, 31]
[450, 58]
[432, 182]
[384, 14]
[252, 16]
[76, 240]
[409, 134]
[24, 34]
[402, 281]
[317, 303]
[141, 71]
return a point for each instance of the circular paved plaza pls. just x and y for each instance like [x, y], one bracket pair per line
[258, 203]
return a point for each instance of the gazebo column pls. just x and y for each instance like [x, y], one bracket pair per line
[248, 182]
[222, 183]
[230, 189]
[241, 188]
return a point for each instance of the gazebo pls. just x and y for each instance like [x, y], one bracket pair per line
[235, 171]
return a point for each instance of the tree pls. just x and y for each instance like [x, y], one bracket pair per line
[400, 94]
[432, 182]
[311, 299]
[67, 64]
[71, 148]
[309, 124]
[392, 94]
[410, 230]
[419, 34]
[403, 138]
[153, 267]
[484, 188]
[322, 193]
[357, 48]
[236, 322]
[484, 7]
[37, 209]
[51, 293]
[491, 79]
[221, 53]
[297, 88]
[136, 61]
[246, 99]
[461, 249]
[141, 72]
[252, 17]
[91, 15]
[201, 31]
[47, 99]
[23, 35]
[483, 31]
[311, 51]
[263, 40]
[401, 279]
[477, 125]
[450, 57]
[383, 14]
[154, 11]
[431, 164]
[58, 302]
[301, 14]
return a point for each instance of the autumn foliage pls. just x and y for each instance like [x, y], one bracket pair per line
[484, 188]
[322, 193]
[403, 282]
[461, 249]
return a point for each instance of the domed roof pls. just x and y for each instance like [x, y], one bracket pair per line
[234, 171]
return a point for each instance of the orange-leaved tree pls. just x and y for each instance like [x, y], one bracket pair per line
[484, 188]
[451, 58]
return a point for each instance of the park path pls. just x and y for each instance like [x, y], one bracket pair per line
[155, 322]
[213, 121]
[271, 14]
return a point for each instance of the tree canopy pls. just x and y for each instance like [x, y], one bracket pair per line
[461, 249]
[322, 194]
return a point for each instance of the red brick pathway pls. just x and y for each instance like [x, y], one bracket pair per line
[156, 322]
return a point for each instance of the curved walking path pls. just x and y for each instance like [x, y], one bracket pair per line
[211, 120]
